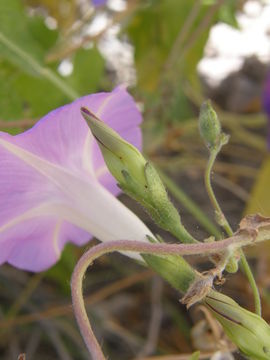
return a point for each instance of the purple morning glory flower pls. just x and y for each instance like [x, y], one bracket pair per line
[55, 187]
[98, 3]
[266, 106]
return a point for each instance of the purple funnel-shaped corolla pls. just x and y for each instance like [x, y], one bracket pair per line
[55, 187]
[266, 106]
[98, 3]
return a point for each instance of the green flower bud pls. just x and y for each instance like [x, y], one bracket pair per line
[118, 154]
[247, 330]
[232, 265]
[140, 180]
[173, 268]
[209, 125]
[136, 176]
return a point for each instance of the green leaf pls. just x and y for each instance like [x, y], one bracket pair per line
[89, 67]
[25, 92]
[11, 104]
[18, 46]
[61, 272]
[180, 107]
[45, 37]
[153, 31]
[227, 13]
[38, 95]
[25, 96]
[195, 356]
[14, 26]
[259, 201]
[195, 53]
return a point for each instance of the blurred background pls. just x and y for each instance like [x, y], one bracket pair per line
[172, 55]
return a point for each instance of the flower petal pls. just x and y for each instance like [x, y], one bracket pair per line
[49, 191]
[42, 240]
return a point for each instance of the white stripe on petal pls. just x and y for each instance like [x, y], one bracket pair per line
[104, 104]
[101, 171]
[56, 234]
[87, 156]
[85, 204]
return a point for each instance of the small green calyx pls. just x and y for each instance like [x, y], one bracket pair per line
[247, 330]
[209, 125]
[173, 268]
[118, 154]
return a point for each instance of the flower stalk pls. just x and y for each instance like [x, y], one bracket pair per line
[210, 130]
[242, 238]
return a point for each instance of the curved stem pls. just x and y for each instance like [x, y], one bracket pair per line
[80, 311]
[136, 246]
[226, 226]
[207, 179]
[246, 268]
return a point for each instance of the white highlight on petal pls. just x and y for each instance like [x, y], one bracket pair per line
[56, 234]
[101, 171]
[85, 204]
[41, 210]
[55, 173]
[88, 154]
[104, 104]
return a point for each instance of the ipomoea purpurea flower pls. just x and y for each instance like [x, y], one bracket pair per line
[266, 105]
[98, 3]
[55, 187]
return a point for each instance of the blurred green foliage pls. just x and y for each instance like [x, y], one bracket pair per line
[61, 272]
[195, 356]
[11, 13]
[89, 66]
[27, 87]
[153, 28]
[169, 39]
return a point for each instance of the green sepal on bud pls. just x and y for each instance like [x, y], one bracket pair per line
[248, 331]
[209, 125]
[135, 176]
[173, 268]
[118, 154]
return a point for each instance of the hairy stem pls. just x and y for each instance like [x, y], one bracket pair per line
[226, 226]
[144, 248]
[207, 179]
[246, 268]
